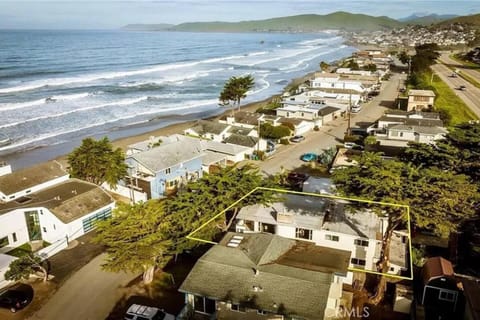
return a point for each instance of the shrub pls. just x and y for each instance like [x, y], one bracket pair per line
[316, 128]
[284, 141]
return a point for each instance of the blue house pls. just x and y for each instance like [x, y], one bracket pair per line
[160, 171]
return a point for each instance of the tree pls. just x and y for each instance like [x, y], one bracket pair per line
[210, 195]
[236, 89]
[97, 162]
[324, 66]
[25, 266]
[267, 131]
[136, 238]
[403, 57]
[439, 200]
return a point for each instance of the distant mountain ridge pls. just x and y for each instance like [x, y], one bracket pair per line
[312, 23]
[299, 23]
[426, 19]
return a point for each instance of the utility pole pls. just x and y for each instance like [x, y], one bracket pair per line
[349, 129]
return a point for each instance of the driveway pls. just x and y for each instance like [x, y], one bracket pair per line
[288, 157]
[89, 294]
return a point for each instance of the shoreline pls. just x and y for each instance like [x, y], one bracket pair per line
[175, 124]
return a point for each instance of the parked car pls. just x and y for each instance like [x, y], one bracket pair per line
[462, 87]
[297, 139]
[356, 108]
[296, 177]
[139, 312]
[15, 299]
[351, 145]
[307, 157]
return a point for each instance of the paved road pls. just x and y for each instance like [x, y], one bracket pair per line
[469, 71]
[471, 95]
[90, 294]
[288, 157]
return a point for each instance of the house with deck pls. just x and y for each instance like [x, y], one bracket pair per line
[264, 276]
[160, 171]
[329, 223]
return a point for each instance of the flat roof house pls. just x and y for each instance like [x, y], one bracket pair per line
[263, 276]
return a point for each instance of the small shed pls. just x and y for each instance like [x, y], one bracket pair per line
[440, 288]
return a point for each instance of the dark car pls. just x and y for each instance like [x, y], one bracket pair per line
[15, 299]
[296, 177]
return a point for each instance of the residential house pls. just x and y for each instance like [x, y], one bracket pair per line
[299, 126]
[441, 291]
[29, 180]
[212, 130]
[5, 168]
[225, 153]
[250, 142]
[397, 128]
[161, 170]
[419, 100]
[333, 81]
[263, 276]
[243, 119]
[327, 223]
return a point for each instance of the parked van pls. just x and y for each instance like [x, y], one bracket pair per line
[139, 312]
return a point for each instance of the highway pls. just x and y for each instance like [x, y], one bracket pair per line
[470, 95]
[467, 70]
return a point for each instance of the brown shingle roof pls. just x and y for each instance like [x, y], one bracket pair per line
[29, 177]
[436, 267]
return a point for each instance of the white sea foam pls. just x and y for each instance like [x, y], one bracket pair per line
[33, 103]
[124, 102]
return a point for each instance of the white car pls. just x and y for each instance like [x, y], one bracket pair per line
[356, 109]
[139, 312]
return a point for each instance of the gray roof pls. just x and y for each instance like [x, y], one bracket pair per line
[68, 201]
[166, 156]
[327, 110]
[211, 157]
[228, 149]
[239, 130]
[423, 93]
[206, 126]
[310, 212]
[418, 129]
[29, 177]
[242, 140]
[297, 210]
[413, 122]
[293, 275]
[247, 117]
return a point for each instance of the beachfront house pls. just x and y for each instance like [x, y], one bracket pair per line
[328, 223]
[160, 171]
[263, 276]
[56, 211]
[207, 129]
[243, 119]
[333, 81]
[419, 100]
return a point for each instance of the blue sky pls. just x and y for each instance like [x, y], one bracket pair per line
[111, 14]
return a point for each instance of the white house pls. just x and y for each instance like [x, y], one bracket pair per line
[329, 223]
[23, 182]
[212, 130]
[59, 213]
[333, 81]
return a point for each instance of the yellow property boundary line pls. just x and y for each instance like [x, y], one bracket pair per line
[190, 236]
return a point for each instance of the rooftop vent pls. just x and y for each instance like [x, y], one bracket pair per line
[235, 241]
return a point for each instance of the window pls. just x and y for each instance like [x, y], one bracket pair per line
[167, 171]
[28, 191]
[360, 242]
[44, 229]
[301, 233]
[11, 197]
[54, 228]
[394, 133]
[401, 134]
[237, 307]
[4, 242]
[14, 237]
[204, 305]
[263, 312]
[89, 223]
[331, 237]
[447, 296]
[359, 262]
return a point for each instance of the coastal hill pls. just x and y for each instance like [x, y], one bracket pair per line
[300, 23]
[415, 19]
[148, 27]
[472, 20]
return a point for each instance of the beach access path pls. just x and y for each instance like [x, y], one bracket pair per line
[330, 135]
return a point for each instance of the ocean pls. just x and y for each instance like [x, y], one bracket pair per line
[57, 87]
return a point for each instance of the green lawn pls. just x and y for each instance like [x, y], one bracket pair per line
[448, 100]
[21, 251]
[467, 63]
